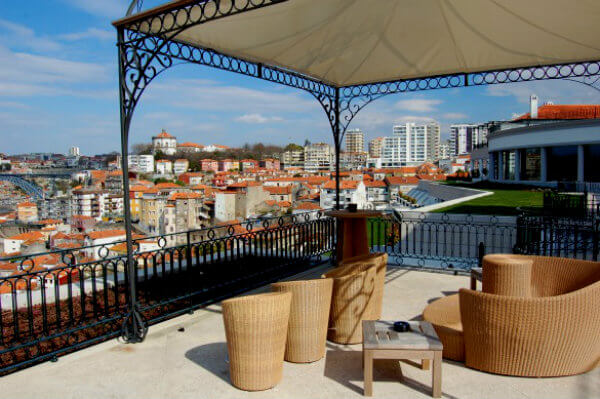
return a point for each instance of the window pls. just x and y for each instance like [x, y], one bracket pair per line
[591, 159]
[562, 163]
[531, 163]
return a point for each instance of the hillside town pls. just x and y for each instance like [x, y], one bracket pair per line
[60, 201]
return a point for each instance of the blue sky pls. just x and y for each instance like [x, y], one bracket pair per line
[58, 88]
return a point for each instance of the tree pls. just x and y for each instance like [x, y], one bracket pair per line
[293, 147]
[159, 155]
[142, 149]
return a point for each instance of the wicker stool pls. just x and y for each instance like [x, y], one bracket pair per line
[379, 260]
[256, 329]
[309, 315]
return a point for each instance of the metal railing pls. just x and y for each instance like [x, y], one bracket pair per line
[566, 237]
[48, 312]
[444, 242]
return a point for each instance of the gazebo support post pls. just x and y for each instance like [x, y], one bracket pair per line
[133, 329]
[337, 145]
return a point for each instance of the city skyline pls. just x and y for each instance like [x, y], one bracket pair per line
[59, 89]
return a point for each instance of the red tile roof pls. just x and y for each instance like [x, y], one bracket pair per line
[574, 111]
[344, 184]
[94, 235]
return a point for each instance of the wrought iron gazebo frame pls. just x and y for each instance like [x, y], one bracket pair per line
[144, 56]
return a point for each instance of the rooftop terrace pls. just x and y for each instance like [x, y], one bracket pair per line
[187, 357]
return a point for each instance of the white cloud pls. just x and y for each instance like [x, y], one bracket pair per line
[90, 33]
[454, 115]
[258, 118]
[558, 91]
[418, 104]
[25, 74]
[102, 8]
[198, 95]
[12, 34]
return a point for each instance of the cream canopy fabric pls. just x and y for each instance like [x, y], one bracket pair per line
[348, 42]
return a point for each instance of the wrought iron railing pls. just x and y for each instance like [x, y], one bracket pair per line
[444, 242]
[558, 236]
[48, 312]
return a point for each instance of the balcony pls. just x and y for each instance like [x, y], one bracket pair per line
[187, 357]
[81, 307]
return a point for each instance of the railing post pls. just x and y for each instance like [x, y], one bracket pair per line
[188, 251]
[595, 237]
[480, 254]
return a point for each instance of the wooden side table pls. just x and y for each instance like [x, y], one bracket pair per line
[352, 232]
[380, 341]
[476, 275]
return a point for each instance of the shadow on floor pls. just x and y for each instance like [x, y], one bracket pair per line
[212, 357]
[345, 367]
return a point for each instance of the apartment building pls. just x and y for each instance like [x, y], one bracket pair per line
[375, 147]
[355, 140]
[319, 157]
[180, 166]
[209, 165]
[353, 160]
[226, 165]
[351, 192]
[270, 163]
[239, 201]
[141, 163]
[90, 203]
[292, 159]
[164, 167]
[183, 212]
[411, 144]
[27, 212]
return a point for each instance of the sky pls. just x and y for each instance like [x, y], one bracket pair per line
[58, 88]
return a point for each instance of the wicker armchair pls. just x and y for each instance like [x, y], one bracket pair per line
[309, 315]
[357, 296]
[256, 329]
[444, 316]
[550, 329]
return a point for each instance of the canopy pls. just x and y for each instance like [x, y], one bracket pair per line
[350, 42]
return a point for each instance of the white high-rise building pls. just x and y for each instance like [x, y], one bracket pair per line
[355, 141]
[318, 157]
[464, 137]
[74, 151]
[411, 144]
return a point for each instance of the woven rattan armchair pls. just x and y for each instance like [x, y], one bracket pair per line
[256, 329]
[357, 296]
[551, 328]
[309, 316]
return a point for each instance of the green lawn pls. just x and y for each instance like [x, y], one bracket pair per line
[503, 202]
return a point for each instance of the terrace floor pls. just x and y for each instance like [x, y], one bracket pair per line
[186, 358]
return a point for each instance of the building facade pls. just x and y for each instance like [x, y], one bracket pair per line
[355, 140]
[292, 159]
[141, 163]
[165, 143]
[375, 147]
[550, 145]
[318, 157]
[411, 144]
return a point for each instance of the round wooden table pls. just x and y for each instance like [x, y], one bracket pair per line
[352, 232]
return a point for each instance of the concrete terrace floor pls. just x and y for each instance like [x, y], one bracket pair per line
[175, 364]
